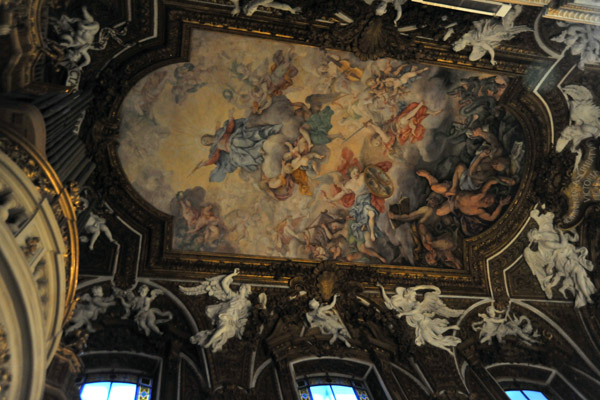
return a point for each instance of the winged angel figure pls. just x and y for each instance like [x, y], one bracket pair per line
[557, 259]
[229, 317]
[420, 315]
[147, 318]
[487, 34]
[585, 120]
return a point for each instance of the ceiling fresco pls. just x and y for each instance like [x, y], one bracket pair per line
[265, 148]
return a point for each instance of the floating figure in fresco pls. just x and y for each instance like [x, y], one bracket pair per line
[437, 246]
[420, 315]
[327, 319]
[355, 190]
[88, 309]
[229, 317]
[583, 40]
[235, 146]
[557, 259]
[186, 81]
[251, 7]
[282, 72]
[77, 36]
[317, 119]
[500, 324]
[407, 125]
[326, 237]
[203, 222]
[146, 316]
[487, 34]
[585, 118]
[298, 157]
[149, 93]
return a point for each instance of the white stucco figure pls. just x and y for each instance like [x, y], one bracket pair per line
[499, 324]
[95, 225]
[421, 315]
[585, 120]
[77, 36]
[582, 40]
[147, 318]
[383, 6]
[251, 7]
[229, 317]
[487, 34]
[327, 319]
[88, 309]
[557, 260]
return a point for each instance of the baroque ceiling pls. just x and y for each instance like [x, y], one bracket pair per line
[314, 148]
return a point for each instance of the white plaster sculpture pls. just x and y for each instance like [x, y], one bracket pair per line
[557, 259]
[383, 4]
[582, 40]
[252, 6]
[88, 309]
[420, 315]
[77, 36]
[95, 225]
[229, 317]
[499, 324]
[146, 317]
[327, 319]
[585, 120]
[487, 34]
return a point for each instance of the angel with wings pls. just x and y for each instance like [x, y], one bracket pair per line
[229, 317]
[88, 309]
[146, 317]
[556, 259]
[327, 319]
[420, 315]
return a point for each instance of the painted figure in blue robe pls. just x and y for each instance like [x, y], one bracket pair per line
[236, 146]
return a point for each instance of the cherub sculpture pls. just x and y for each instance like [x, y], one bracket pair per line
[327, 319]
[487, 34]
[229, 317]
[88, 309]
[420, 315]
[252, 5]
[146, 317]
[77, 36]
[585, 120]
[383, 4]
[556, 259]
[94, 226]
[500, 324]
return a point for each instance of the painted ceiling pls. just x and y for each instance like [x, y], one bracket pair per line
[263, 148]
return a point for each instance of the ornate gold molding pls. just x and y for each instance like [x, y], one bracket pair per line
[45, 179]
[574, 14]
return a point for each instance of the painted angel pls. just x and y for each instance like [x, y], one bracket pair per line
[327, 319]
[229, 317]
[420, 315]
[487, 34]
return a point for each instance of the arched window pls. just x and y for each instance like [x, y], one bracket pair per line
[332, 388]
[525, 395]
[116, 387]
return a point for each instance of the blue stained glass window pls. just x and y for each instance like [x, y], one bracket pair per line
[525, 395]
[106, 390]
[122, 391]
[333, 392]
[95, 391]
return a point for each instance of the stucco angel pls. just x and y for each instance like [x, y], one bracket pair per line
[487, 34]
[553, 259]
[499, 324]
[327, 319]
[420, 315]
[383, 5]
[146, 317]
[229, 317]
[88, 309]
[585, 120]
[583, 40]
